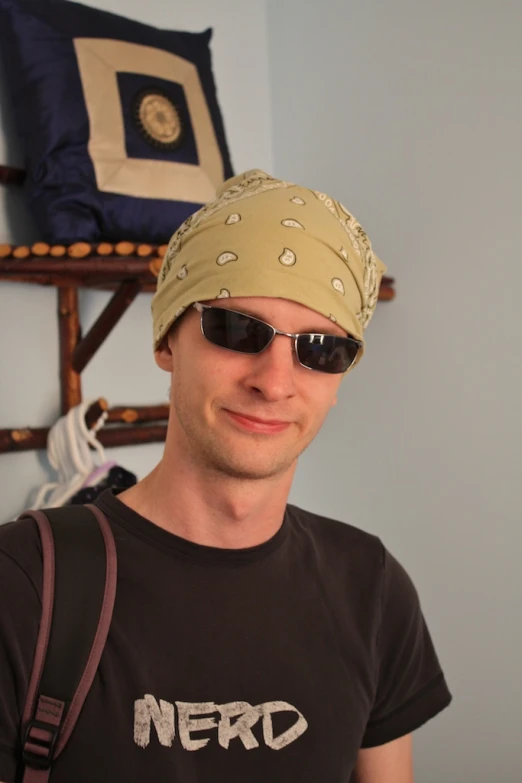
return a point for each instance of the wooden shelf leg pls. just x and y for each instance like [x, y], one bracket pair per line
[116, 307]
[70, 333]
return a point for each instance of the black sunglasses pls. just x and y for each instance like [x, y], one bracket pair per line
[245, 334]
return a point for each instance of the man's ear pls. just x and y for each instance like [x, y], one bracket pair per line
[163, 355]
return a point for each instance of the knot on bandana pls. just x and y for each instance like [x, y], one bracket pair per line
[262, 236]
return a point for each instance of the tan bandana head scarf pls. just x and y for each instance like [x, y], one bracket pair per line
[265, 237]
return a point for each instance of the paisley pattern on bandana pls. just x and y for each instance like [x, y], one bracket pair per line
[338, 285]
[288, 257]
[225, 258]
[256, 182]
[358, 237]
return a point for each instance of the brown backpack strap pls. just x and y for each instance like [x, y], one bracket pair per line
[78, 593]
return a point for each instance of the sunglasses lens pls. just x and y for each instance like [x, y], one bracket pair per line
[327, 353]
[245, 334]
[235, 331]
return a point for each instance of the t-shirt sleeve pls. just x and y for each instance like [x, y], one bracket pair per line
[20, 610]
[411, 688]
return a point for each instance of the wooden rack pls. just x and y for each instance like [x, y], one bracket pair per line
[126, 268]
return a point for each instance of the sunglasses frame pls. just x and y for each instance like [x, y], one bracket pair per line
[202, 307]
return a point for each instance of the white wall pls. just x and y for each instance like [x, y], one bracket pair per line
[410, 113]
[29, 357]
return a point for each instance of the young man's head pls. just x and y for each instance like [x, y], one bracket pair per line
[276, 284]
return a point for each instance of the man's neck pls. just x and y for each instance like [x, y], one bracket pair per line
[213, 510]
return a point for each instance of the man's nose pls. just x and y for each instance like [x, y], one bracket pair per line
[272, 372]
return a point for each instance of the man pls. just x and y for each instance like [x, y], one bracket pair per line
[251, 640]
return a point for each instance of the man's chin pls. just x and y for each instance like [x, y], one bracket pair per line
[251, 475]
[252, 470]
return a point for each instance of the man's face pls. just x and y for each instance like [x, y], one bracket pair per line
[243, 415]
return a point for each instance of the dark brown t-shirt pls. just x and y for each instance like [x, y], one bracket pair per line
[273, 663]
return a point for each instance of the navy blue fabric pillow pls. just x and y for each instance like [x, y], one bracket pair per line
[120, 123]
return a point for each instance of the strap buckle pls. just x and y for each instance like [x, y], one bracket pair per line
[40, 744]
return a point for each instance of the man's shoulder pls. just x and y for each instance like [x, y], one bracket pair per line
[19, 535]
[332, 527]
[20, 545]
[337, 535]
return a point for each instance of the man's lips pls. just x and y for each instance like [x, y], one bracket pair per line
[254, 424]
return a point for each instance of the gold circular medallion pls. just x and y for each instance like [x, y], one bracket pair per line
[158, 119]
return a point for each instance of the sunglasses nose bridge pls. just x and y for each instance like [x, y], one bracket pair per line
[276, 332]
[283, 334]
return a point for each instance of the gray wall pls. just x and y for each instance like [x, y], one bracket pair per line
[29, 380]
[410, 113]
